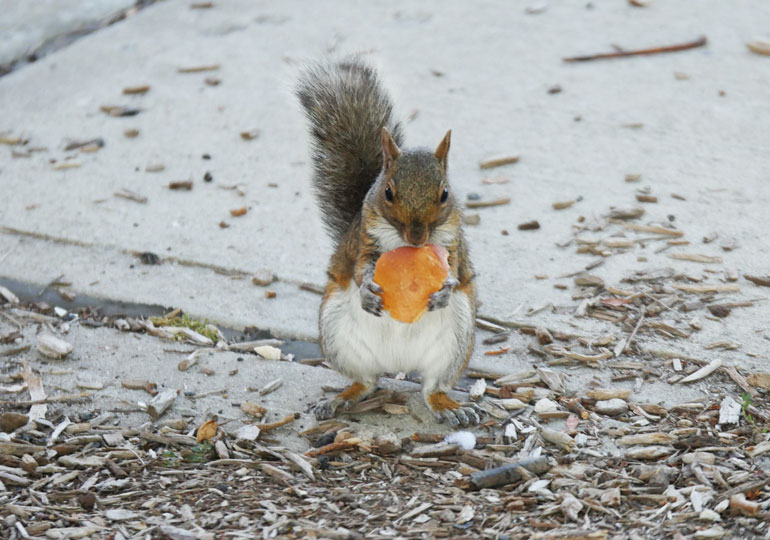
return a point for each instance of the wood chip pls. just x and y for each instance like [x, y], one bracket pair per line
[484, 204]
[703, 372]
[695, 257]
[198, 69]
[489, 164]
[759, 45]
[652, 229]
[142, 89]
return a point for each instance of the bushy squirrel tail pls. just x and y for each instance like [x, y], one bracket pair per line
[347, 109]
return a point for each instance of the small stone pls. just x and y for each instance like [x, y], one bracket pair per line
[87, 501]
[472, 219]
[28, 463]
[529, 226]
[388, 443]
[11, 421]
[719, 311]
[53, 347]
[611, 407]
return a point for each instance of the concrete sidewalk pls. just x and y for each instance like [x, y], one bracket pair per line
[691, 123]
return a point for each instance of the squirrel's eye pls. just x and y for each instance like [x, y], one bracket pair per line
[388, 194]
[444, 195]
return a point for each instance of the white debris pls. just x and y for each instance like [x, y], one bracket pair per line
[268, 352]
[464, 439]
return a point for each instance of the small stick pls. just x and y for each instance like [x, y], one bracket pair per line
[498, 162]
[485, 204]
[282, 422]
[54, 399]
[333, 447]
[507, 474]
[700, 42]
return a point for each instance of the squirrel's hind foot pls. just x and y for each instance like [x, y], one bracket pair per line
[445, 409]
[327, 408]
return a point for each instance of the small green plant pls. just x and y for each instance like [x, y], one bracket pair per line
[202, 327]
[745, 409]
[170, 459]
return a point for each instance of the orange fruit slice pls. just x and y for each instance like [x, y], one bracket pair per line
[408, 276]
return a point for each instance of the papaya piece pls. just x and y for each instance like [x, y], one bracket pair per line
[408, 276]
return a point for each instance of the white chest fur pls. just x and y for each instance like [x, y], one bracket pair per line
[363, 346]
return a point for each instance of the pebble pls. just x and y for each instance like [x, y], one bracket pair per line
[611, 407]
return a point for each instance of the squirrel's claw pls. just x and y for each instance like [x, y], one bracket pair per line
[465, 415]
[371, 301]
[440, 298]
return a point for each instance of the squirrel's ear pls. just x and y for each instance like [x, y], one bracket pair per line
[390, 150]
[443, 149]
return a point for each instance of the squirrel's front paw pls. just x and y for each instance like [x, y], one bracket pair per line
[440, 298]
[371, 301]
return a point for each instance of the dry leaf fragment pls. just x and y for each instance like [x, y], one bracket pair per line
[760, 380]
[759, 45]
[646, 198]
[253, 409]
[207, 430]
[238, 212]
[250, 135]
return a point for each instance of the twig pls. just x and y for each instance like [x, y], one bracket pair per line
[15, 350]
[285, 420]
[54, 399]
[620, 350]
[700, 42]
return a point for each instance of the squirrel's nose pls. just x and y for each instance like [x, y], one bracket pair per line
[417, 234]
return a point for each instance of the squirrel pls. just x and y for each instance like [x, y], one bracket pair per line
[375, 197]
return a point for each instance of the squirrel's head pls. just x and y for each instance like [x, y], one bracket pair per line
[413, 194]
